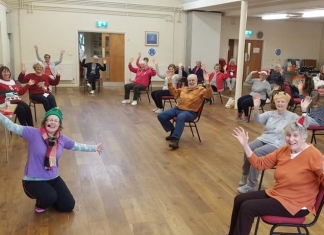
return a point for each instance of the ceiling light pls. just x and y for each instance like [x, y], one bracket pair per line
[319, 13]
[275, 17]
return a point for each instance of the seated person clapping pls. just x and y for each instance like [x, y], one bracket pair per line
[40, 91]
[298, 174]
[141, 82]
[259, 86]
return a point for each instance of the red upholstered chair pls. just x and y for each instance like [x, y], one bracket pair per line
[294, 102]
[298, 223]
[314, 128]
[193, 123]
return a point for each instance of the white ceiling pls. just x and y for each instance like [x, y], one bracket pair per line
[258, 8]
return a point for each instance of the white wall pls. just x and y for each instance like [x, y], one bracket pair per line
[203, 38]
[4, 40]
[62, 32]
[297, 40]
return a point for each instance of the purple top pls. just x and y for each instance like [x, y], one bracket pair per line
[36, 153]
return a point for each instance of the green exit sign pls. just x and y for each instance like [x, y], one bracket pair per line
[248, 33]
[101, 24]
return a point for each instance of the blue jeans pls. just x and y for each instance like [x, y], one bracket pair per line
[182, 117]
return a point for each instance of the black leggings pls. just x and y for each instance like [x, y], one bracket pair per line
[92, 80]
[24, 114]
[48, 102]
[247, 206]
[50, 193]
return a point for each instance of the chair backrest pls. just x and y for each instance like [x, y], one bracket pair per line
[319, 200]
[200, 111]
[287, 88]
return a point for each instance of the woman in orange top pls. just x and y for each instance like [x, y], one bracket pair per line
[299, 171]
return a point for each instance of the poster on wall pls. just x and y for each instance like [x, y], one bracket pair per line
[151, 38]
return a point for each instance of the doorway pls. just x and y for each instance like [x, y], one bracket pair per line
[252, 55]
[107, 46]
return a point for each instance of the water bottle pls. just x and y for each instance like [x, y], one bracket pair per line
[7, 103]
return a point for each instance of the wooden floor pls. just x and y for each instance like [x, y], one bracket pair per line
[138, 186]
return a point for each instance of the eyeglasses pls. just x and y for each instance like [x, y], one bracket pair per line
[53, 120]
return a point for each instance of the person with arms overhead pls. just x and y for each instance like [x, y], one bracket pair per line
[40, 91]
[141, 82]
[198, 71]
[48, 65]
[93, 72]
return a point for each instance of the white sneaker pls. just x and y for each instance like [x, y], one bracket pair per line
[245, 189]
[153, 110]
[159, 111]
[243, 180]
[88, 84]
[125, 101]
[92, 92]
[134, 102]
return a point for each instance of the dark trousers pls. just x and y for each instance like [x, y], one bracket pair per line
[247, 206]
[92, 80]
[50, 193]
[182, 117]
[245, 102]
[157, 97]
[24, 114]
[136, 89]
[48, 102]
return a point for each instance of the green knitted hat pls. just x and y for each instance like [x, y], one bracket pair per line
[54, 111]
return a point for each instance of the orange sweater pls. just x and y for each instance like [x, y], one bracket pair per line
[297, 180]
[191, 100]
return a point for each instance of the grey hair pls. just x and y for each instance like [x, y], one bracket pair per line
[278, 65]
[37, 63]
[294, 126]
[192, 76]
[143, 62]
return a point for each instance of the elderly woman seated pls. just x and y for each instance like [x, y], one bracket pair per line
[298, 174]
[40, 91]
[316, 107]
[259, 86]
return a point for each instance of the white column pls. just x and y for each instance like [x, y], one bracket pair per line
[240, 54]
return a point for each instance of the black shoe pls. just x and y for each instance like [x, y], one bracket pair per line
[174, 144]
[169, 137]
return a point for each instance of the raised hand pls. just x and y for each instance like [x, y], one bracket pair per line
[180, 65]
[99, 148]
[131, 60]
[62, 52]
[58, 72]
[85, 56]
[23, 68]
[206, 77]
[304, 103]
[139, 55]
[254, 72]
[36, 47]
[105, 61]
[276, 88]
[256, 101]
[155, 62]
[203, 67]
[31, 82]
[242, 136]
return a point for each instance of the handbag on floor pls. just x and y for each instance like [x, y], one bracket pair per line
[230, 103]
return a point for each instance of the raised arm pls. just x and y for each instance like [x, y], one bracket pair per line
[83, 63]
[103, 68]
[13, 127]
[37, 55]
[57, 79]
[60, 59]
[138, 59]
[22, 78]
[87, 148]
[163, 76]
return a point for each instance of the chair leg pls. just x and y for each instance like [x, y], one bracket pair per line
[148, 96]
[249, 114]
[220, 96]
[191, 129]
[313, 137]
[197, 132]
[257, 226]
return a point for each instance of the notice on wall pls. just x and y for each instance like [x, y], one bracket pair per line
[256, 50]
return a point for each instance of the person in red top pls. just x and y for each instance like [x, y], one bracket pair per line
[141, 82]
[231, 71]
[11, 90]
[40, 91]
[217, 78]
[298, 175]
